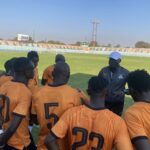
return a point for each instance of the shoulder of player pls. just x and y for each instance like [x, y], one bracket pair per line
[74, 110]
[22, 88]
[25, 89]
[135, 107]
[134, 110]
[3, 77]
[6, 84]
[72, 90]
[46, 69]
[47, 88]
[114, 117]
[50, 67]
[105, 68]
[40, 90]
[124, 70]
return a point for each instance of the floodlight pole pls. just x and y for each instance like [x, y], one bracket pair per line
[94, 32]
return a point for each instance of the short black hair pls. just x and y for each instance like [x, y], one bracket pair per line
[59, 58]
[139, 80]
[32, 54]
[61, 69]
[9, 64]
[97, 84]
[21, 64]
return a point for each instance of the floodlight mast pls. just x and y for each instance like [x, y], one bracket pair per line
[94, 32]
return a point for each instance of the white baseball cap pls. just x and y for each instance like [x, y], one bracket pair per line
[115, 55]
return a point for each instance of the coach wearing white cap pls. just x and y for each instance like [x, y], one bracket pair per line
[116, 76]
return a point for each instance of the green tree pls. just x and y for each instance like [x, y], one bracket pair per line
[142, 44]
[117, 46]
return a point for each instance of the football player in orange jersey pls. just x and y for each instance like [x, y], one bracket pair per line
[91, 127]
[137, 116]
[16, 134]
[33, 84]
[52, 100]
[47, 77]
[34, 57]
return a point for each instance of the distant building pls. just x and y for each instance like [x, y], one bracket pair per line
[23, 38]
[84, 44]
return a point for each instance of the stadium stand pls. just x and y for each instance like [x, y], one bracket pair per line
[19, 46]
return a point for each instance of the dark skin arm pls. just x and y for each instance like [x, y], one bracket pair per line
[4, 137]
[142, 144]
[51, 142]
[43, 81]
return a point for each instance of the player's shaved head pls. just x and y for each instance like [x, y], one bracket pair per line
[59, 58]
[61, 72]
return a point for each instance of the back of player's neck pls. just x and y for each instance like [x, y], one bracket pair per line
[143, 97]
[20, 80]
[59, 82]
[146, 100]
[97, 102]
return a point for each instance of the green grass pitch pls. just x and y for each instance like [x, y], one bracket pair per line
[83, 66]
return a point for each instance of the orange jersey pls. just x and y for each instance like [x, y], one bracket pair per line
[47, 74]
[20, 100]
[89, 128]
[34, 91]
[49, 104]
[5, 78]
[137, 118]
[35, 81]
[83, 97]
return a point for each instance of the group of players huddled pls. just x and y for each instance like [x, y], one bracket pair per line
[67, 118]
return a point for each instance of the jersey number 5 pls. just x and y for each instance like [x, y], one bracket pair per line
[49, 115]
[85, 136]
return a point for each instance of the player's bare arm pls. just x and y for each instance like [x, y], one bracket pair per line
[141, 144]
[4, 137]
[51, 142]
